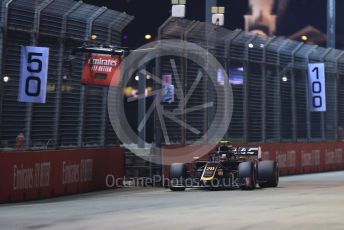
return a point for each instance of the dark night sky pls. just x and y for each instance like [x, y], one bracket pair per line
[149, 14]
[301, 13]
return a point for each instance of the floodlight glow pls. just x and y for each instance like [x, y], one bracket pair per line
[6, 78]
[250, 45]
[304, 38]
[93, 37]
[148, 36]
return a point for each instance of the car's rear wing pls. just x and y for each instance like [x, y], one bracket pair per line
[248, 151]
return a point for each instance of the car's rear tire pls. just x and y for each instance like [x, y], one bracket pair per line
[178, 173]
[247, 175]
[268, 174]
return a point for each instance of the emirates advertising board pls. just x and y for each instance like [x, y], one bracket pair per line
[100, 69]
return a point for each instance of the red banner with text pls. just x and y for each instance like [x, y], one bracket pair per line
[36, 175]
[101, 69]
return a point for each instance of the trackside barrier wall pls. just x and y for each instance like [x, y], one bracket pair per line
[306, 158]
[35, 175]
[292, 158]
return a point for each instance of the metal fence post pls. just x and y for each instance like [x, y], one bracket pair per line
[263, 65]
[336, 114]
[293, 96]
[83, 95]
[58, 97]
[4, 16]
[208, 19]
[245, 106]
[184, 74]
[58, 93]
[34, 41]
[157, 127]
[233, 35]
[183, 77]
[331, 23]
[2, 56]
[278, 73]
[104, 90]
[323, 122]
[142, 105]
[263, 130]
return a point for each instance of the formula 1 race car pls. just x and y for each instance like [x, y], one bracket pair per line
[228, 167]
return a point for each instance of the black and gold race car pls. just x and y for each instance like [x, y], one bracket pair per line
[228, 167]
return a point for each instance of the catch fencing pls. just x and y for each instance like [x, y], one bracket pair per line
[74, 115]
[268, 76]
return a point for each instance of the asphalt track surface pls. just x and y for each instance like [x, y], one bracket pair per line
[314, 201]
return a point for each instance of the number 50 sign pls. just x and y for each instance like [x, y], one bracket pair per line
[33, 74]
[316, 87]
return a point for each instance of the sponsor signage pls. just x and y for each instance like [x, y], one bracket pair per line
[75, 172]
[33, 74]
[166, 80]
[316, 87]
[286, 159]
[167, 89]
[101, 69]
[35, 175]
[168, 93]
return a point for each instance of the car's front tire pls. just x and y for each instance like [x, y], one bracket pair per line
[178, 173]
[247, 175]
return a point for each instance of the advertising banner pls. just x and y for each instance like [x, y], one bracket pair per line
[166, 80]
[33, 74]
[167, 89]
[316, 87]
[36, 175]
[101, 69]
[168, 93]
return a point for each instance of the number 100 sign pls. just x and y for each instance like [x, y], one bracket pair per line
[316, 87]
[33, 74]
